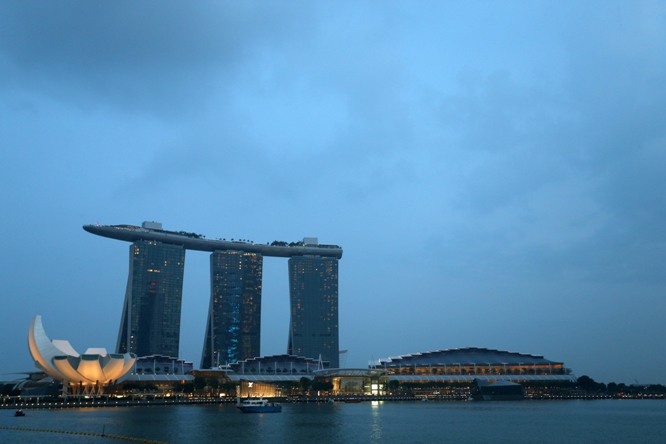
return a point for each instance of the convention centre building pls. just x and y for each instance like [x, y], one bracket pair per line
[468, 364]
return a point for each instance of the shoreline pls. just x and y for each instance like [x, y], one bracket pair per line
[103, 403]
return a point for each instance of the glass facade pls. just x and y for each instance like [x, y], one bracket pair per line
[478, 369]
[150, 323]
[234, 316]
[313, 294]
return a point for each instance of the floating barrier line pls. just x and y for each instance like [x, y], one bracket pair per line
[71, 432]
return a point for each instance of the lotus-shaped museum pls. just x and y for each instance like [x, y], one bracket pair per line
[57, 358]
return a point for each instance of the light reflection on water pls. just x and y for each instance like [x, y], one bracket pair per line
[368, 422]
[376, 429]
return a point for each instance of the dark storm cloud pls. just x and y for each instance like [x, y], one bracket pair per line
[329, 109]
[151, 56]
[588, 152]
[614, 88]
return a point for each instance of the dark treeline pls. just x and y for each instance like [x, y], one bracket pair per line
[590, 385]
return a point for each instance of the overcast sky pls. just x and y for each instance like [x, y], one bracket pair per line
[494, 171]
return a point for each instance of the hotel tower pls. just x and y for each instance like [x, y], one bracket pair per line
[150, 321]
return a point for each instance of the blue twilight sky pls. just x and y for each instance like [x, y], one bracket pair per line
[494, 171]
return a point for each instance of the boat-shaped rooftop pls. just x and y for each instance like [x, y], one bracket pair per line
[152, 231]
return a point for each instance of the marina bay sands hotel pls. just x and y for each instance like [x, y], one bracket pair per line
[150, 323]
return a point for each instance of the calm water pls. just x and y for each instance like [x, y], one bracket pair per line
[620, 421]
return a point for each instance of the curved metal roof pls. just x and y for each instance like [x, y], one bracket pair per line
[327, 373]
[156, 378]
[265, 378]
[466, 356]
[350, 372]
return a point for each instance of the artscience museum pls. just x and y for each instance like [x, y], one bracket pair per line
[83, 373]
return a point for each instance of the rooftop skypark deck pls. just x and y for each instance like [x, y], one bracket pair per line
[192, 241]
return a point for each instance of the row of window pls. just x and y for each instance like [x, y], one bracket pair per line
[479, 370]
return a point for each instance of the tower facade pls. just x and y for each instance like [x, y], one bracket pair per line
[150, 322]
[233, 330]
[313, 296]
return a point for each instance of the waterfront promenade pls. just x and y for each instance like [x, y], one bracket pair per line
[153, 400]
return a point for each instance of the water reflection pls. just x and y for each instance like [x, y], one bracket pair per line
[376, 422]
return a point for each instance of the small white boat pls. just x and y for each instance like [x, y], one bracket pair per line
[258, 405]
